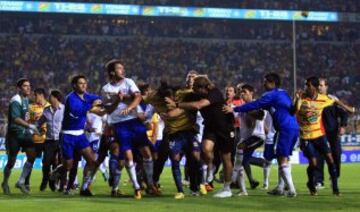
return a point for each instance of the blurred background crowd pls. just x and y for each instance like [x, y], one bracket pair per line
[49, 49]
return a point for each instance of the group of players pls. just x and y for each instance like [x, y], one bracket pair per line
[140, 128]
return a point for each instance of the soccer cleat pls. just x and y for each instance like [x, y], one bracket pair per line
[22, 188]
[203, 190]
[337, 193]
[276, 192]
[312, 189]
[27, 186]
[223, 194]
[194, 193]
[179, 195]
[86, 193]
[254, 184]
[156, 190]
[265, 186]
[319, 186]
[209, 187]
[291, 194]
[117, 193]
[158, 186]
[6, 189]
[242, 193]
[69, 192]
[137, 194]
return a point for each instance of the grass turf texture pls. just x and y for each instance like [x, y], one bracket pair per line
[257, 200]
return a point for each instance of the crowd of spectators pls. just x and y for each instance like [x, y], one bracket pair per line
[315, 5]
[177, 27]
[49, 57]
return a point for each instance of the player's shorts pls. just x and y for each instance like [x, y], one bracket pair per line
[95, 146]
[269, 151]
[285, 141]
[71, 143]
[156, 146]
[131, 134]
[16, 141]
[252, 143]
[224, 141]
[313, 148]
[183, 142]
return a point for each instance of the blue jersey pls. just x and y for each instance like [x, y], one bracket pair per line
[279, 104]
[76, 110]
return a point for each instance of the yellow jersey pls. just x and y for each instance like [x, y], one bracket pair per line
[310, 116]
[36, 112]
[176, 124]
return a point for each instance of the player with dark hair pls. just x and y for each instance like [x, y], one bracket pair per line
[128, 129]
[19, 136]
[52, 116]
[279, 104]
[335, 121]
[77, 104]
[36, 110]
[252, 136]
[309, 109]
[219, 130]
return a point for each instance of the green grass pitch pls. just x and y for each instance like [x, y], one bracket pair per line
[257, 200]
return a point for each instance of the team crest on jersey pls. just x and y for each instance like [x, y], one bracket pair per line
[171, 144]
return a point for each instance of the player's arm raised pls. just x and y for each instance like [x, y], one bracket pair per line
[297, 101]
[345, 106]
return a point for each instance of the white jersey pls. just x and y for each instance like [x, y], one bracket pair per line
[96, 123]
[127, 87]
[271, 130]
[248, 131]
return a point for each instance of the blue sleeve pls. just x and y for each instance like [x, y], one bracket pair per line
[74, 108]
[262, 103]
[93, 97]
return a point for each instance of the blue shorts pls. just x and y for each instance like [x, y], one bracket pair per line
[155, 147]
[269, 153]
[183, 142]
[131, 134]
[285, 141]
[315, 147]
[71, 143]
[252, 143]
[95, 146]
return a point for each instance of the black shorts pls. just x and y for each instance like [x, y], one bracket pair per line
[224, 140]
[51, 151]
[314, 148]
[16, 141]
[39, 148]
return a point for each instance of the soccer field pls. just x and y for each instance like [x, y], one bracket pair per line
[257, 200]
